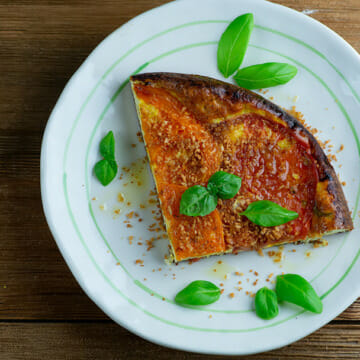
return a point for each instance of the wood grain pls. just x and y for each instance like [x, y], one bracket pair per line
[43, 312]
[109, 341]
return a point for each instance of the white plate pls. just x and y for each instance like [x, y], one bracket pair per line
[181, 37]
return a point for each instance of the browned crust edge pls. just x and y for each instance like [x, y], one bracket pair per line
[343, 220]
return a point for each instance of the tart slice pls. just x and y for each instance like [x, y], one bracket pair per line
[194, 126]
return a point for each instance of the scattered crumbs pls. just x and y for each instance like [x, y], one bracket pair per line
[271, 275]
[120, 197]
[225, 277]
[130, 215]
[117, 263]
[153, 270]
[219, 262]
[222, 291]
[145, 279]
[139, 243]
[237, 273]
[129, 226]
[214, 270]
[140, 219]
[252, 295]
[255, 282]
[256, 273]
[159, 269]
[142, 206]
[340, 165]
[271, 98]
[182, 268]
[108, 251]
[272, 282]
[295, 98]
[343, 183]
[308, 254]
[231, 295]
[320, 243]
[102, 207]
[94, 198]
[117, 211]
[267, 280]
[282, 273]
[163, 299]
[247, 280]
[250, 270]
[210, 316]
[239, 282]
[341, 148]
[128, 203]
[241, 274]
[151, 294]
[238, 288]
[133, 145]
[247, 293]
[139, 261]
[260, 252]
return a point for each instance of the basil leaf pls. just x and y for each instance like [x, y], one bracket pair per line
[199, 292]
[224, 185]
[105, 170]
[107, 146]
[296, 290]
[197, 201]
[265, 75]
[267, 213]
[233, 44]
[266, 304]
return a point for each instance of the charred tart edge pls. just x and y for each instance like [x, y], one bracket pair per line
[235, 94]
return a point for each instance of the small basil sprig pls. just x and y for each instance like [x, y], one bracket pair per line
[197, 201]
[233, 44]
[231, 51]
[265, 75]
[296, 290]
[199, 292]
[266, 304]
[267, 213]
[106, 169]
[200, 201]
[224, 185]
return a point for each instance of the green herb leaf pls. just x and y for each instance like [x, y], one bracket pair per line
[265, 75]
[107, 146]
[266, 304]
[296, 290]
[233, 44]
[267, 213]
[224, 185]
[105, 171]
[199, 292]
[197, 201]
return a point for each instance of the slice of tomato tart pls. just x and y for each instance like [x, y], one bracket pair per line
[194, 126]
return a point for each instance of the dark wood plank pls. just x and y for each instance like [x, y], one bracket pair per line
[109, 341]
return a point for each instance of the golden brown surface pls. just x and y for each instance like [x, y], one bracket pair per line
[194, 126]
[44, 313]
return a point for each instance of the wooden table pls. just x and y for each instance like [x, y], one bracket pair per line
[43, 312]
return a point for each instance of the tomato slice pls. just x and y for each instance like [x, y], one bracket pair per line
[190, 236]
[181, 151]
